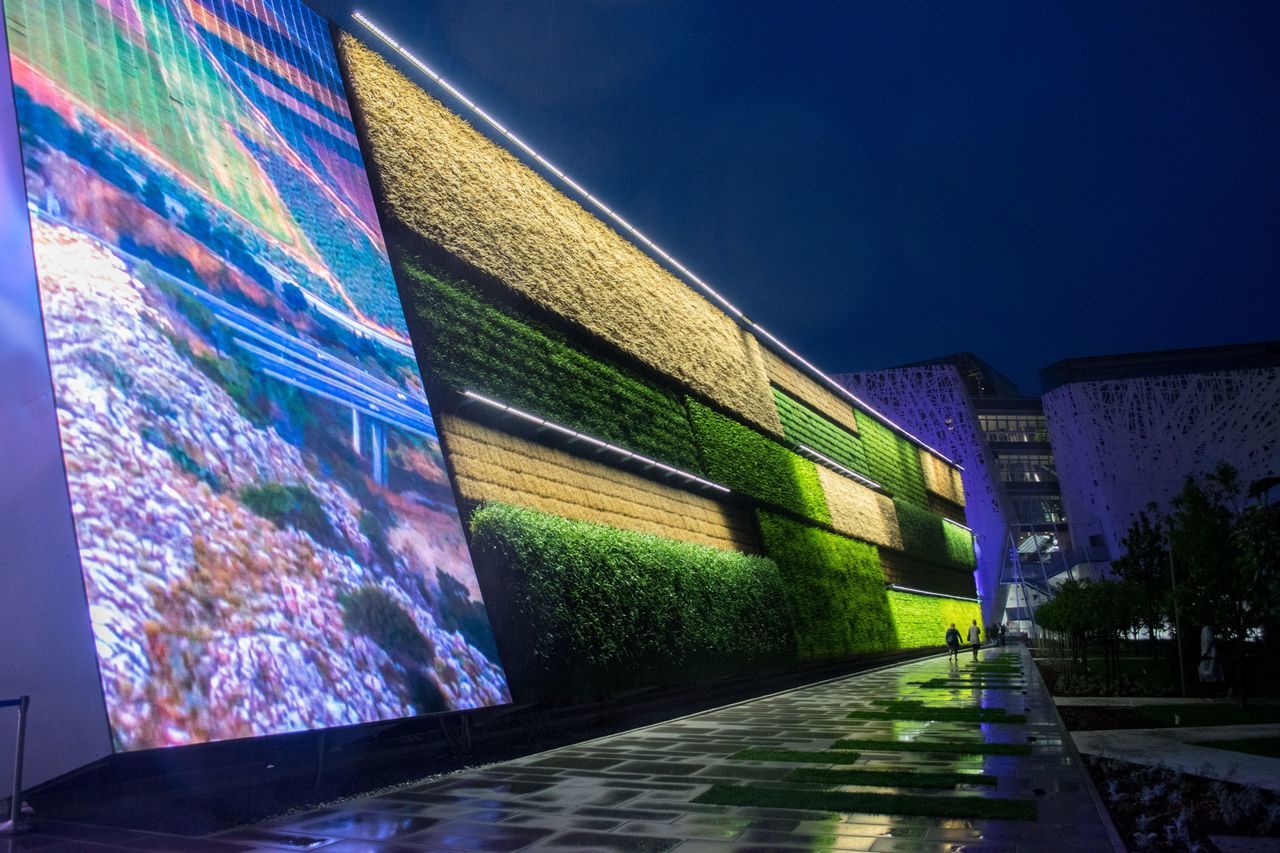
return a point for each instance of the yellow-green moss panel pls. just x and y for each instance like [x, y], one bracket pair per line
[447, 182]
[922, 620]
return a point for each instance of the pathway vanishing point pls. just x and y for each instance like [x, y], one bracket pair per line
[659, 788]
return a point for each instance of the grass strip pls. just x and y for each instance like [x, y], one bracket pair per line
[1208, 715]
[797, 756]
[942, 715]
[887, 778]
[918, 705]
[1264, 746]
[974, 748]
[884, 804]
[975, 685]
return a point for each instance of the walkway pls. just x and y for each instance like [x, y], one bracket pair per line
[1178, 749]
[666, 787]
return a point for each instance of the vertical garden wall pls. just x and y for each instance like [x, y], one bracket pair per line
[653, 496]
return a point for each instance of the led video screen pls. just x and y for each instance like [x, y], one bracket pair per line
[267, 533]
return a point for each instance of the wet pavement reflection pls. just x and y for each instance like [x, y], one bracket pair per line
[637, 791]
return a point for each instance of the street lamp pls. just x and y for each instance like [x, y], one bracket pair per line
[1177, 622]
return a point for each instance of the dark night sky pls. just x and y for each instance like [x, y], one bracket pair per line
[883, 183]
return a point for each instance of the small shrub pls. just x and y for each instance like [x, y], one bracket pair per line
[293, 506]
[185, 461]
[457, 611]
[375, 614]
[376, 533]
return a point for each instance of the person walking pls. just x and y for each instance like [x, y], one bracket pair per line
[975, 637]
[1002, 635]
[953, 643]
[1210, 670]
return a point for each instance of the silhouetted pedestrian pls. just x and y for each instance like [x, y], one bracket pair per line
[953, 643]
[975, 637]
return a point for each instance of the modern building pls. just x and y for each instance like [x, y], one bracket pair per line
[317, 413]
[1128, 429]
[1053, 483]
[1000, 437]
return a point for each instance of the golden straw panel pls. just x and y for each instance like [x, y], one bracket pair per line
[493, 465]
[859, 511]
[940, 478]
[450, 184]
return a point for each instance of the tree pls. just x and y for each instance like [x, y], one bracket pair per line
[1091, 614]
[1145, 568]
[1257, 536]
[1216, 585]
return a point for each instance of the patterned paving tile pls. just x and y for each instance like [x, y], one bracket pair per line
[634, 791]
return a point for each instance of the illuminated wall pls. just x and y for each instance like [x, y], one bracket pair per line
[267, 534]
[516, 293]
[932, 401]
[1121, 444]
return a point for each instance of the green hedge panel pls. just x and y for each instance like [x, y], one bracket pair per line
[928, 537]
[892, 460]
[922, 533]
[582, 609]
[959, 546]
[739, 457]
[805, 426]
[922, 620]
[472, 344]
[834, 587]
[876, 451]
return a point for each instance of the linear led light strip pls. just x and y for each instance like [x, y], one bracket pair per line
[828, 462]
[896, 588]
[603, 445]
[956, 524]
[636, 233]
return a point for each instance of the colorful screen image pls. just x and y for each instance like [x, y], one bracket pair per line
[268, 536]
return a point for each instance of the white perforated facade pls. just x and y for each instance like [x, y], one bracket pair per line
[1121, 444]
[932, 402]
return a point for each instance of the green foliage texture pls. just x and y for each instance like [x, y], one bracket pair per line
[922, 620]
[587, 609]
[744, 460]
[928, 537]
[892, 460]
[875, 451]
[959, 550]
[471, 344]
[803, 425]
[373, 612]
[834, 587]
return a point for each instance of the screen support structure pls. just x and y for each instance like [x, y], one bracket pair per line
[46, 644]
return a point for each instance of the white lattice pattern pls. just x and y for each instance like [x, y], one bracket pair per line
[932, 403]
[1121, 444]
